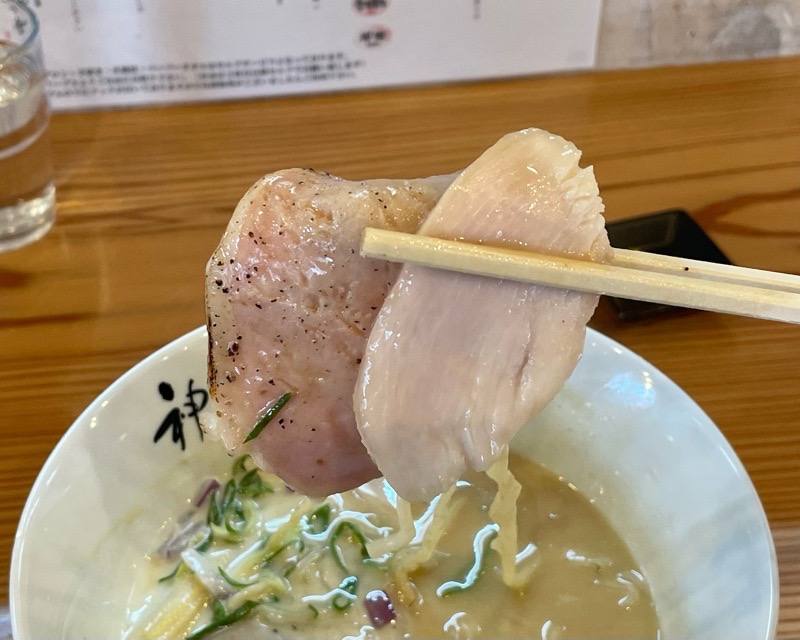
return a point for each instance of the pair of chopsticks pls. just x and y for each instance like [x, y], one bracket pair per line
[631, 274]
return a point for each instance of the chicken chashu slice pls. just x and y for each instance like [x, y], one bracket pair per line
[290, 304]
[455, 363]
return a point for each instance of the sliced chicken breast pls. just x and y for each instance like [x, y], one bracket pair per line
[290, 304]
[456, 364]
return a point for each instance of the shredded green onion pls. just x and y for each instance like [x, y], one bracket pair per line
[239, 465]
[235, 520]
[320, 519]
[355, 534]
[270, 557]
[233, 582]
[228, 516]
[480, 546]
[205, 542]
[171, 576]
[342, 601]
[223, 534]
[223, 621]
[217, 610]
[220, 503]
[268, 416]
[252, 485]
[314, 610]
[228, 495]
[214, 515]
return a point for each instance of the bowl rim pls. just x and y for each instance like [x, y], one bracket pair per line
[592, 335]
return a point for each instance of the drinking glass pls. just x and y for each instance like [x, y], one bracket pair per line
[27, 194]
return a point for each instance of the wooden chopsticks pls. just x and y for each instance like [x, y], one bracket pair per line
[632, 274]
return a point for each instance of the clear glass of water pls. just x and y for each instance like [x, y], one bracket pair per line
[27, 194]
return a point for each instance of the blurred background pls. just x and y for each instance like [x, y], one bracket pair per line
[151, 51]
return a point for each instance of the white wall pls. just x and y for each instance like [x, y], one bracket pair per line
[642, 33]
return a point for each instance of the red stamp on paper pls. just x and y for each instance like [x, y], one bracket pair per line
[370, 8]
[375, 36]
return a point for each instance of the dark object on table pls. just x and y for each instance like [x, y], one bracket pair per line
[670, 233]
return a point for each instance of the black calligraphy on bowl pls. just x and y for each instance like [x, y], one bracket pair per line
[196, 399]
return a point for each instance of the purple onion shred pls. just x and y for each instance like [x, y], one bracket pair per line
[379, 608]
[210, 488]
[180, 540]
[189, 524]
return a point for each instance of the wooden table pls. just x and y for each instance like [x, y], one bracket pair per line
[145, 194]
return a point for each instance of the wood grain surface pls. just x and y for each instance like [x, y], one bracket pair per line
[143, 197]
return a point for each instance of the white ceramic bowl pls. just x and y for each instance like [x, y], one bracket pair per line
[621, 431]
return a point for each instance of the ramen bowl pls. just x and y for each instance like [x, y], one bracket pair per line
[620, 431]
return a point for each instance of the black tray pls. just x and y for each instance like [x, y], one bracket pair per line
[670, 233]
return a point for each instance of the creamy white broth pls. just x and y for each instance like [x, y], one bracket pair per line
[585, 582]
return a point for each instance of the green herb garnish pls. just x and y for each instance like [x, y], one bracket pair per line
[480, 546]
[270, 557]
[319, 520]
[217, 610]
[239, 465]
[252, 485]
[342, 601]
[314, 610]
[214, 514]
[222, 534]
[205, 542]
[233, 582]
[227, 514]
[268, 416]
[172, 575]
[235, 518]
[223, 621]
[354, 534]
[220, 502]
[228, 494]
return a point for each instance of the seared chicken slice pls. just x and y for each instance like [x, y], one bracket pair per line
[455, 363]
[290, 305]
